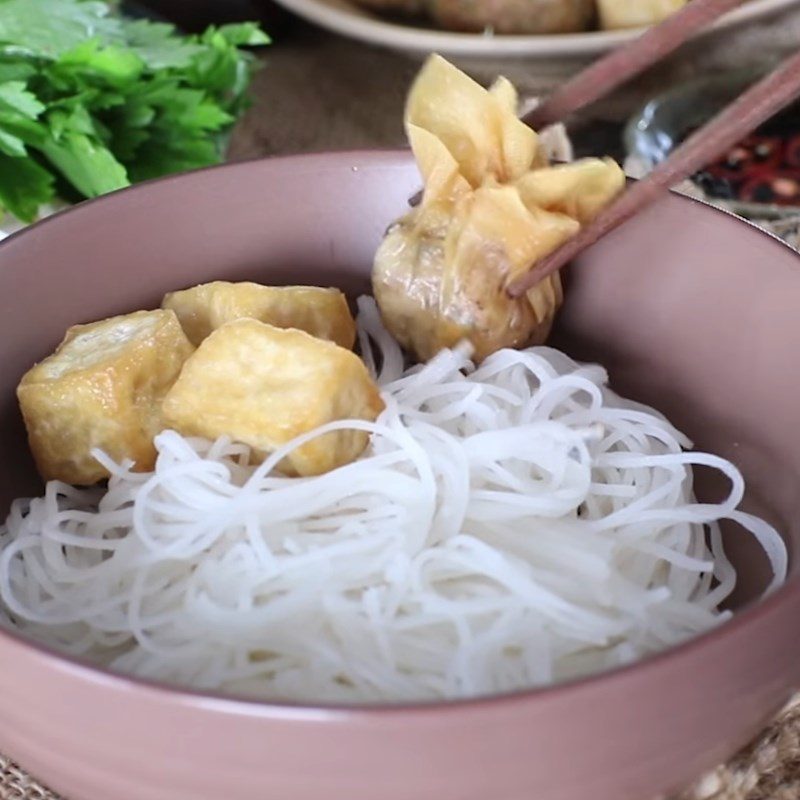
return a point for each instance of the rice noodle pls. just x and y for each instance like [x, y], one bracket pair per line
[508, 526]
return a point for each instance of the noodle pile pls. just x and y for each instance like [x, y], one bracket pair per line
[509, 526]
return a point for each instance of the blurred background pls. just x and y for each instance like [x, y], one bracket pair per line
[320, 90]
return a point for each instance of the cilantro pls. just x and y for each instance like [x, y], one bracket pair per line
[90, 100]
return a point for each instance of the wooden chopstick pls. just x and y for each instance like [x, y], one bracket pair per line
[743, 116]
[611, 71]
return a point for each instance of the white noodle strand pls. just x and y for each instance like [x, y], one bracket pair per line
[508, 526]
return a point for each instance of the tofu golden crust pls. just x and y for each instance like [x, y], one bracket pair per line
[263, 385]
[315, 310]
[103, 388]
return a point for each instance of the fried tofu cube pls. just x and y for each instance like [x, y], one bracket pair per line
[263, 385]
[320, 312]
[102, 388]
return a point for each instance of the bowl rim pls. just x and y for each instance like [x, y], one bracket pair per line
[83, 670]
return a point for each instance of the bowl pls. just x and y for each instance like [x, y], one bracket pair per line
[347, 18]
[691, 309]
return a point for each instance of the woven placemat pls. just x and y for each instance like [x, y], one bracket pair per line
[16, 784]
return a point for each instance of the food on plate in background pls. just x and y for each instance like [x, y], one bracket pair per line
[635, 13]
[514, 16]
[263, 386]
[491, 207]
[102, 388]
[533, 17]
[320, 312]
[409, 7]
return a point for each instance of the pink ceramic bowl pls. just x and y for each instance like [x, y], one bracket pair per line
[692, 311]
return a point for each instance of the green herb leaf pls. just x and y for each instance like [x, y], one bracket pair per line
[243, 34]
[90, 100]
[48, 28]
[29, 131]
[24, 186]
[162, 153]
[110, 64]
[12, 145]
[14, 96]
[16, 70]
[86, 163]
[158, 45]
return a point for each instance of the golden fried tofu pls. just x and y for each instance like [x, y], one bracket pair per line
[320, 312]
[102, 388]
[263, 385]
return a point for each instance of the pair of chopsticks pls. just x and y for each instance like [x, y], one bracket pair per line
[742, 117]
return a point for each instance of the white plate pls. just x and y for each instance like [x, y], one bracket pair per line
[348, 19]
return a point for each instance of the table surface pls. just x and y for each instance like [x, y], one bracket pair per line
[301, 103]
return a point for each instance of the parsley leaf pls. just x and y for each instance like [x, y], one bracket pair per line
[24, 186]
[90, 100]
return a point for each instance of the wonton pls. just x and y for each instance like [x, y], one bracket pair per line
[492, 206]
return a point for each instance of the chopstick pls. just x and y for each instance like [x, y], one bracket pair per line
[611, 71]
[744, 115]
